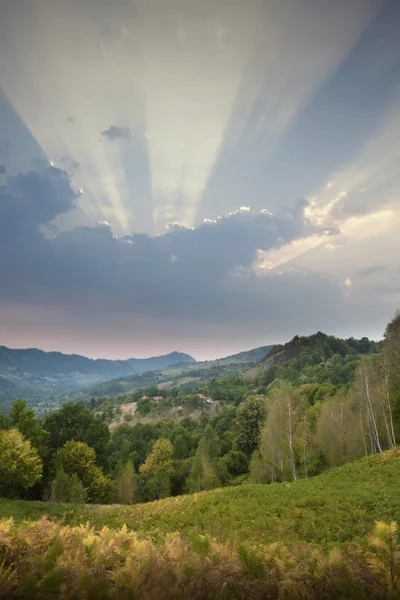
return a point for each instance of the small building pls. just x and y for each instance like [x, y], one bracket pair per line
[205, 398]
[158, 398]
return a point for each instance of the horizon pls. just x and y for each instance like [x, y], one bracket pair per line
[205, 359]
[204, 176]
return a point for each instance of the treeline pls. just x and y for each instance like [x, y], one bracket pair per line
[330, 401]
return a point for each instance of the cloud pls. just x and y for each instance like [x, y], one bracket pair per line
[33, 199]
[370, 271]
[2, 169]
[116, 133]
[204, 273]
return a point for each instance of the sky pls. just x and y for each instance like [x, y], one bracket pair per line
[206, 177]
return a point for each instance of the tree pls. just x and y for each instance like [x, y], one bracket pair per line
[20, 465]
[76, 422]
[78, 458]
[158, 469]
[237, 462]
[277, 444]
[203, 474]
[68, 488]
[250, 417]
[337, 432]
[127, 484]
[391, 358]
[257, 468]
[24, 419]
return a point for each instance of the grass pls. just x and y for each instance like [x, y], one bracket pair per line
[341, 505]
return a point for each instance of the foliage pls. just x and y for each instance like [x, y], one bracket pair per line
[338, 506]
[79, 459]
[23, 418]
[20, 465]
[49, 560]
[68, 488]
[76, 422]
[158, 469]
[250, 416]
[126, 487]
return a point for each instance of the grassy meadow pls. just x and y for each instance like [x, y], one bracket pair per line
[332, 536]
[337, 506]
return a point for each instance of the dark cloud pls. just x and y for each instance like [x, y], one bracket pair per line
[40, 164]
[116, 133]
[204, 273]
[2, 170]
[33, 199]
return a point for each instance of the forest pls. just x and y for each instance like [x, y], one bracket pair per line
[323, 403]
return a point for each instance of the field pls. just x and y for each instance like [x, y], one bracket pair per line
[338, 506]
[333, 536]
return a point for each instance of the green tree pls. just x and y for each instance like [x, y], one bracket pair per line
[158, 469]
[20, 464]
[237, 462]
[127, 484]
[24, 419]
[68, 488]
[250, 417]
[203, 474]
[76, 422]
[79, 458]
[257, 468]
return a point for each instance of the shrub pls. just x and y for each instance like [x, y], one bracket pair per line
[44, 559]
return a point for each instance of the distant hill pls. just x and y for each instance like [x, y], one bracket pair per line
[35, 374]
[176, 375]
[319, 345]
[248, 356]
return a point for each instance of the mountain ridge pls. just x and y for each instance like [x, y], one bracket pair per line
[33, 373]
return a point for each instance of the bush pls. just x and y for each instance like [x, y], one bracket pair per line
[43, 559]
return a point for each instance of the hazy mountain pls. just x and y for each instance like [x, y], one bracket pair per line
[179, 374]
[33, 373]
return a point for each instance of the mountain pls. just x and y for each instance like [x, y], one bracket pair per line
[176, 375]
[35, 374]
[319, 346]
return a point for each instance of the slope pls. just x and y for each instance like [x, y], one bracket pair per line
[319, 347]
[178, 375]
[337, 506]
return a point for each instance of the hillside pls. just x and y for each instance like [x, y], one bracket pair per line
[179, 375]
[337, 506]
[35, 374]
[319, 347]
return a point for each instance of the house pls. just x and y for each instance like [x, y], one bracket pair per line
[158, 398]
[144, 398]
[205, 398]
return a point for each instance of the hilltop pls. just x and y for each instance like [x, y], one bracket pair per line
[319, 346]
